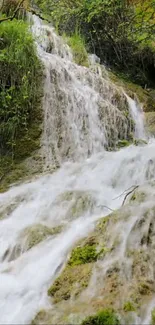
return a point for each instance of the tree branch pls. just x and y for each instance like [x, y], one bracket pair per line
[14, 14]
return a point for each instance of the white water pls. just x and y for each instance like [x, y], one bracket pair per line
[138, 117]
[84, 111]
[97, 179]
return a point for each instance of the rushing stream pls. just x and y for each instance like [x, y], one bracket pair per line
[74, 139]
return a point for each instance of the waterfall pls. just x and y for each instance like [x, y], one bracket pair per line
[84, 112]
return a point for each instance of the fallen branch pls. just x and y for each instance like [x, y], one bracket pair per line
[129, 194]
[124, 192]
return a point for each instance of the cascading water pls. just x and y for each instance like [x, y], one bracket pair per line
[81, 117]
[84, 111]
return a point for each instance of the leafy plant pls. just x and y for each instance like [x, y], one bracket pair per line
[120, 32]
[77, 44]
[20, 75]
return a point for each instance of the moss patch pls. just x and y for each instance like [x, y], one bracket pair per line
[103, 317]
[123, 143]
[138, 196]
[82, 255]
[129, 306]
[153, 317]
[71, 282]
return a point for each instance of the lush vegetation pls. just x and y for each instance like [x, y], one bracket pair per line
[120, 32]
[77, 44]
[20, 78]
[104, 317]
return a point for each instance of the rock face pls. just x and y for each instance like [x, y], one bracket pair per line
[119, 275]
[150, 122]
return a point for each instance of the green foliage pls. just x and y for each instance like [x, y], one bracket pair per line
[104, 317]
[20, 92]
[82, 255]
[125, 29]
[153, 317]
[128, 306]
[77, 44]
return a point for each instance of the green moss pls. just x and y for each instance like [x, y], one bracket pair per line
[104, 317]
[153, 317]
[37, 233]
[123, 143]
[82, 255]
[138, 196]
[11, 174]
[101, 225]
[71, 282]
[129, 306]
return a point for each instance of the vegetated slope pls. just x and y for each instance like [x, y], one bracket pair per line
[20, 99]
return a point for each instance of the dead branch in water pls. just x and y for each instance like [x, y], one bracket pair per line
[133, 187]
[129, 193]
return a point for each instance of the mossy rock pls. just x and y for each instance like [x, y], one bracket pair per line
[79, 202]
[103, 317]
[138, 196]
[130, 87]
[7, 210]
[35, 234]
[149, 105]
[150, 122]
[71, 282]
[41, 318]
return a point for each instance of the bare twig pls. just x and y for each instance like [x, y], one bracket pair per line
[14, 14]
[104, 206]
[129, 194]
[124, 192]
